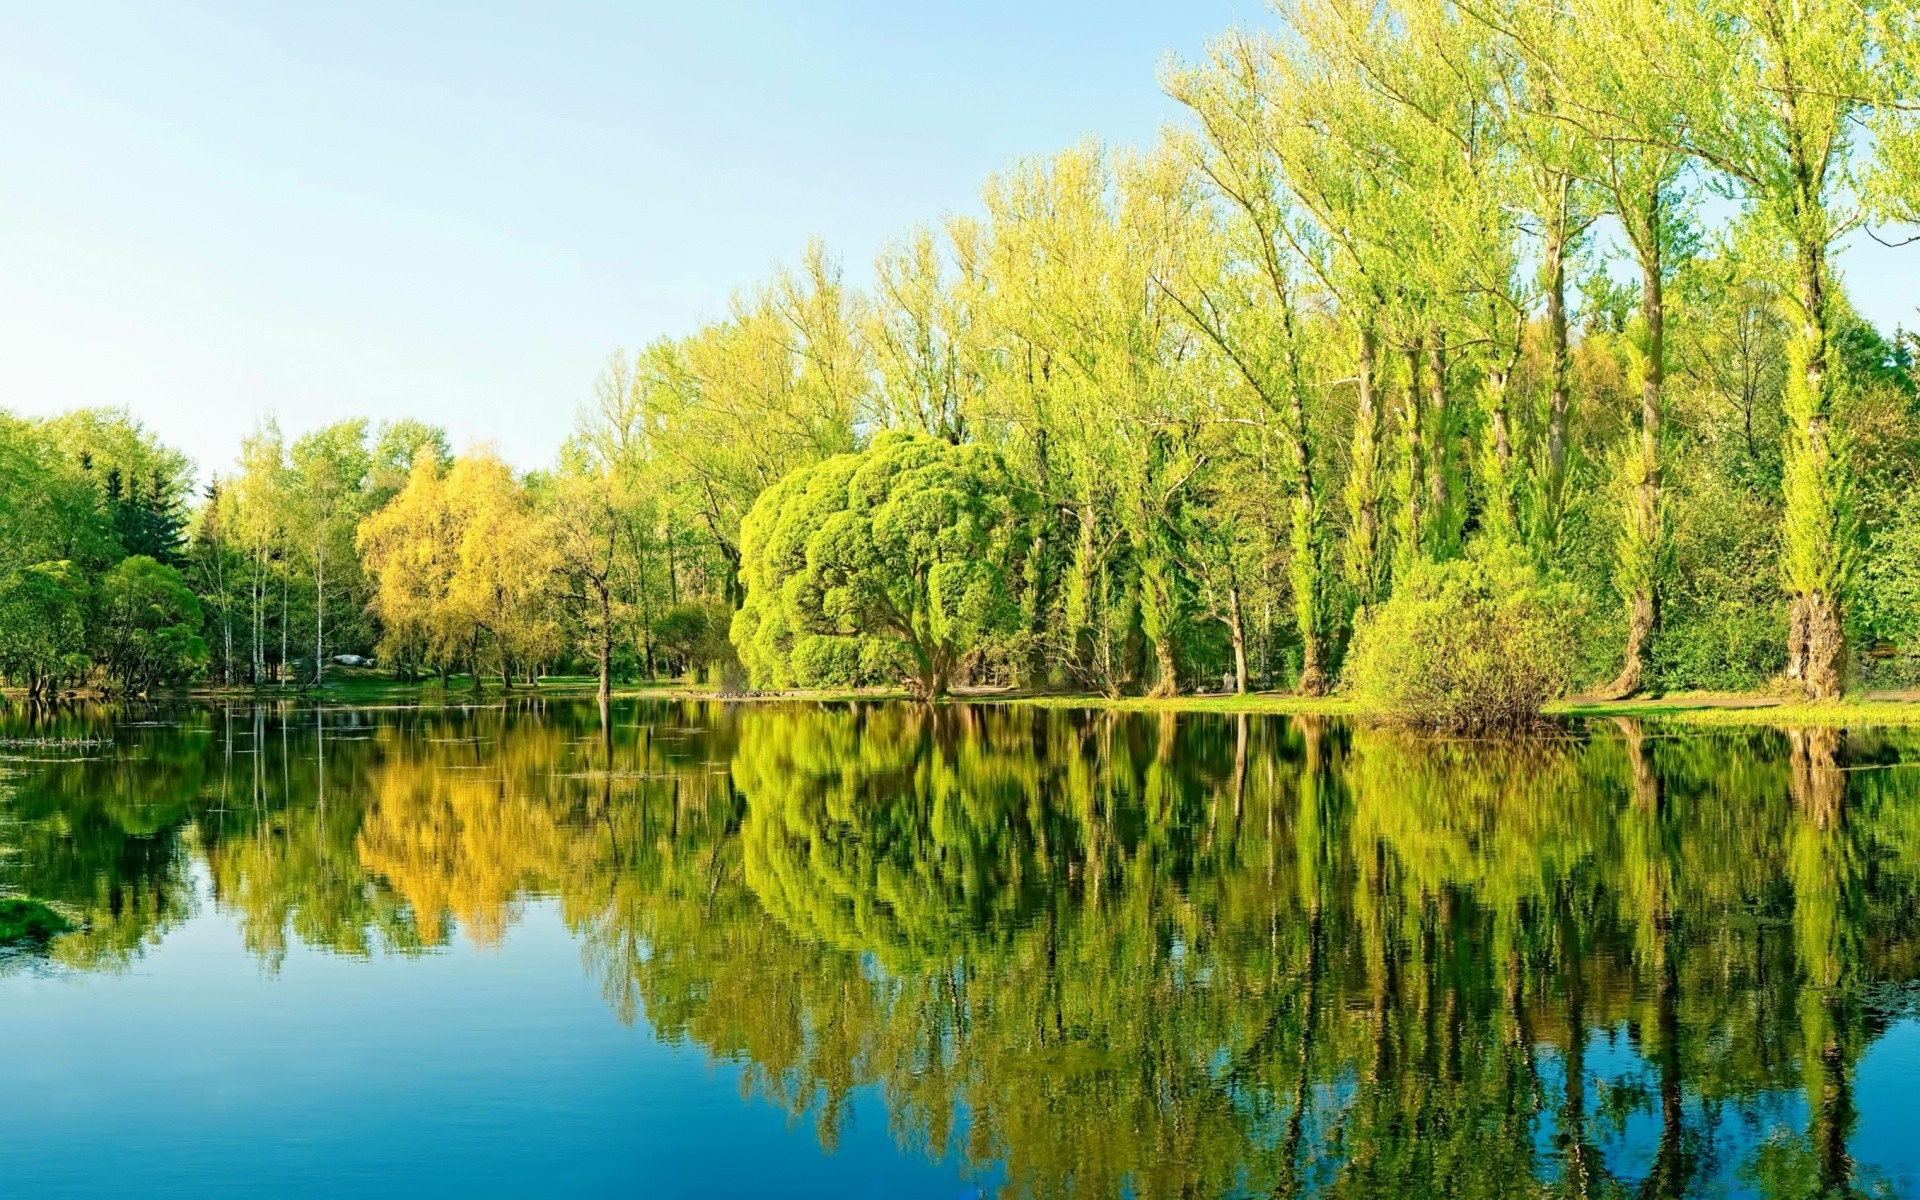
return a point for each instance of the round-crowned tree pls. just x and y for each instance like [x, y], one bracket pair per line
[891, 564]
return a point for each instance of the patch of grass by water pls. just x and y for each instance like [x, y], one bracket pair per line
[29, 922]
[1701, 709]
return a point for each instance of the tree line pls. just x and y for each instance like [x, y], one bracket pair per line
[1524, 312]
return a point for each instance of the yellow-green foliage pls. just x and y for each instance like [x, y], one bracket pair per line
[1472, 643]
[887, 564]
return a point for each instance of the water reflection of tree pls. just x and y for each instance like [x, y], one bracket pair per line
[1196, 956]
[97, 832]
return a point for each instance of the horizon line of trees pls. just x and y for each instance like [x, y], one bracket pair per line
[1420, 284]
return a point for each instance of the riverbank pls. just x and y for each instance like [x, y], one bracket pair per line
[1698, 709]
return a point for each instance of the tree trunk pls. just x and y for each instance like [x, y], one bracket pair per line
[319, 621]
[1440, 458]
[226, 616]
[1817, 645]
[1166, 668]
[1503, 515]
[1363, 482]
[605, 692]
[259, 633]
[1645, 521]
[1642, 616]
[1308, 566]
[1816, 526]
[1413, 533]
[1238, 630]
[1557, 401]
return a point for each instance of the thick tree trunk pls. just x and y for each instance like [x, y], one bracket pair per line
[1815, 525]
[1817, 645]
[1642, 616]
[1308, 567]
[1166, 669]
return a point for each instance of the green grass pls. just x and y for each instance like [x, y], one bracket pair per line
[29, 921]
[1258, 702]
[1707, 709]
[1760, 714]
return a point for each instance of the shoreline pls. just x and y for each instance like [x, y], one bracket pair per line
[1698, 709]
[1690, 709]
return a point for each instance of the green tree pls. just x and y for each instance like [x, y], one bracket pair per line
[327, 476]
[1770, 100]
[893, 561]
[43, 627]
[150, 625]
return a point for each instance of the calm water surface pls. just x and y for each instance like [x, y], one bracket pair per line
[873, 951]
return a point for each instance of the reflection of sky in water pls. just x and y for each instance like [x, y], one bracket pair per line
[495, 1071]
[1882, 1143]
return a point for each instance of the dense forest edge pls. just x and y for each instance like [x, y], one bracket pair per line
[1452, 360]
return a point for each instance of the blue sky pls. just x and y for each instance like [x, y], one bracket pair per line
[455, 211]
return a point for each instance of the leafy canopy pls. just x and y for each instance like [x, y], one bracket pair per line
[892, 563]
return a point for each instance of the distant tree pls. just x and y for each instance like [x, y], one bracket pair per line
[397, 446]
[328, 474]
[581, 513]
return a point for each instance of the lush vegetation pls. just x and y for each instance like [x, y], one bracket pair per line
[1414, 285]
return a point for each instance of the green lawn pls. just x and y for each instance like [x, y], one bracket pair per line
[23, 920]
[1689, 708]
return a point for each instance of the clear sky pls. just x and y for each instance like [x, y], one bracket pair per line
[212, 211]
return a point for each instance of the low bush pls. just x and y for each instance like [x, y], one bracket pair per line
[1482, 642]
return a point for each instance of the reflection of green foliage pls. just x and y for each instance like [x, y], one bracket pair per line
[890, 830]
[1095, 953]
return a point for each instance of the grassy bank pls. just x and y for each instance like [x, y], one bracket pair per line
[29, 922]
[1703, 709]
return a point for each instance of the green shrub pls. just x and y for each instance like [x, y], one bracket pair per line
[1475, 643]
[1723, 618]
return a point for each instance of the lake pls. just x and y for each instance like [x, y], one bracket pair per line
[880, 951]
